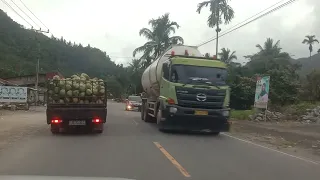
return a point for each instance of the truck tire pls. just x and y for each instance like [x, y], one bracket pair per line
[142, 113]
[215, 133]
[147, 117]
[99, 131]
[54, 129]
[159, 116]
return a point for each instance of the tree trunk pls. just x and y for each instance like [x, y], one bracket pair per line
[217, 40]
[310, 55]
[217, 30]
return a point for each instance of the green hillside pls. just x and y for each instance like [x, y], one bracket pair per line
[308, 65]
[19, 53]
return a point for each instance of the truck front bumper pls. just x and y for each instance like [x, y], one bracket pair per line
[182, 118]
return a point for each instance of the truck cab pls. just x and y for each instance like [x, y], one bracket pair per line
[193, 95]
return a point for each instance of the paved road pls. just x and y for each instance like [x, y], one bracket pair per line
[130, 148]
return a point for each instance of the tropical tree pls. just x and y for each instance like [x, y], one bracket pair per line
[271, 61]
[226, 56]
[268, 54]
[310, 40]
[311, 88]
[218, 9]
[135, 71]
[159, 37]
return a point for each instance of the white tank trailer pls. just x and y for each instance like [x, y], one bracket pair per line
[151, 76]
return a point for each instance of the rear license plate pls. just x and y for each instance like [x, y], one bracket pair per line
[77, 123]
[203, 113]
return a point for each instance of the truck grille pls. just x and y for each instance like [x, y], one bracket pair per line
[187, 97]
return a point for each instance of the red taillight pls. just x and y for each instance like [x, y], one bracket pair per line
[97, 120]
[56, 121]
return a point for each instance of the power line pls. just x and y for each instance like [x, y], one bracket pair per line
[269, 12]
[253, 16]
[16, 12]
[34, 15]
[25, 13]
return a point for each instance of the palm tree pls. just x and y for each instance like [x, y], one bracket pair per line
[269, 57]
[158, 37]
[135, 71]
[310, 40]
[218, 8]
[226, 57]
[271, 49]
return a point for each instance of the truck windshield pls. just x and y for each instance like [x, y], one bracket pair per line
[134, 98]
[198, 75]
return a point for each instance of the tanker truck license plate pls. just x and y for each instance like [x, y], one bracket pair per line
[203, 113]
[77, 123]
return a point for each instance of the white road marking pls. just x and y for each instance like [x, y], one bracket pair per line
[290, 155]
[135, 121]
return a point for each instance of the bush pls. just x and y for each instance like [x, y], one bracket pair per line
[299, 108]
[241, 114]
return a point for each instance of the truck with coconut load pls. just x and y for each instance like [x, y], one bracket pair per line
[78, 102]
[185, 91]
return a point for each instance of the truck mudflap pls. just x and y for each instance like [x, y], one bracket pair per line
[181, 118]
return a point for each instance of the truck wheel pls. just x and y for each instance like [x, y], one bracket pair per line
[99, 131]
[147, 117]
[54, 129]
[159, 116]
[142, 114]
[215, 133]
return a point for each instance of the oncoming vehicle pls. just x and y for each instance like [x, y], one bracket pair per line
[133, 103]
[186, 92]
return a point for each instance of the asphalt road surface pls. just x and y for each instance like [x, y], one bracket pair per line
[130, 148]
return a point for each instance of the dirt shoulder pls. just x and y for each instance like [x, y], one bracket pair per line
[17, 125]
[287, 136]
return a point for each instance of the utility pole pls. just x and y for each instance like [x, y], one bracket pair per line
[38, 65]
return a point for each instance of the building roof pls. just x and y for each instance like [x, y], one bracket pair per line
[5, 82]
[48, 75]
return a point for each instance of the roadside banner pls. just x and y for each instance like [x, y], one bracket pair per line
[262, 92]
[13, 94]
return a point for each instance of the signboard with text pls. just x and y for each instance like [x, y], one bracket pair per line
[13, 94]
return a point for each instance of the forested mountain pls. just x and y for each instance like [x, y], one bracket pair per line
[308, 65]
[19, 53]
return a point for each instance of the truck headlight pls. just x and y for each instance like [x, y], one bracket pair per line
[225, 113]
[173, 109]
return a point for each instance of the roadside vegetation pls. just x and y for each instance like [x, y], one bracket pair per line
[290, 90]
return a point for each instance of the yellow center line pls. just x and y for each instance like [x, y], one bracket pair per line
[173, 161]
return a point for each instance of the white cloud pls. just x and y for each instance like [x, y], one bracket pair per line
[113, 26]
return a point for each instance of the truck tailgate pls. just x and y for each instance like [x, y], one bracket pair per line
[76, 113]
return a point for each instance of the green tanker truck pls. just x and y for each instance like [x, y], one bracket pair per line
[185, 91]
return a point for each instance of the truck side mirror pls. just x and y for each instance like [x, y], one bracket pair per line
[165, 70]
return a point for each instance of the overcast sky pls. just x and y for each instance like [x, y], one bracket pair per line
[113, 26]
